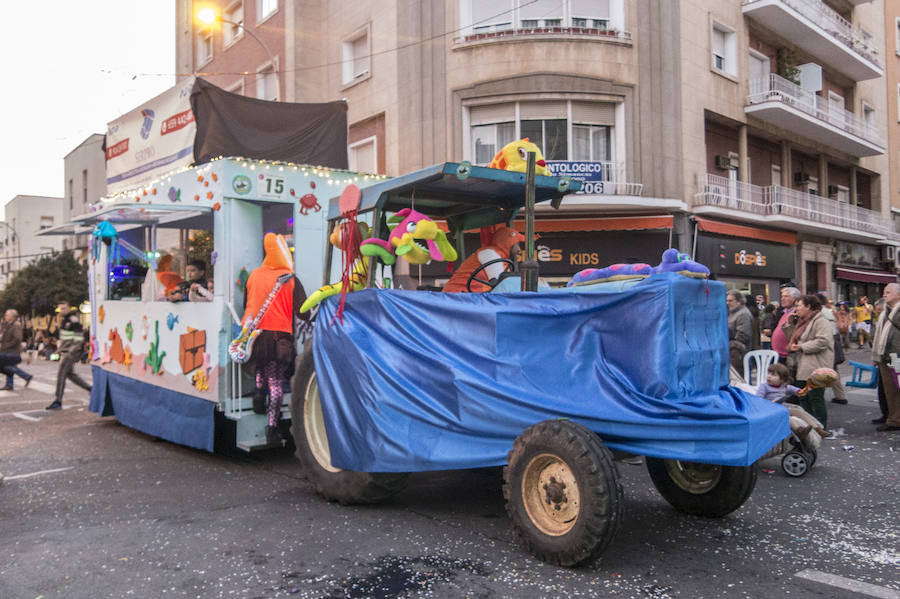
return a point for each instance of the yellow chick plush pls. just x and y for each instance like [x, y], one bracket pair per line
[513, 157]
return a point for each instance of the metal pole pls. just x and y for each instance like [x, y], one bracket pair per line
[264, 47]
[529, 267]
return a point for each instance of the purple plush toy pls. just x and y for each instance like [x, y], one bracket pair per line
[672, 261]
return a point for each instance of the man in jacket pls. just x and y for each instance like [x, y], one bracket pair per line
[740, 325]
[11, 348]
[886, 341]
[71, 350]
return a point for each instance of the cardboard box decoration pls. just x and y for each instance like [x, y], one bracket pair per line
[191, 346]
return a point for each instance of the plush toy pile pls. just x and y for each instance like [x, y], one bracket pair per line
[672, 261]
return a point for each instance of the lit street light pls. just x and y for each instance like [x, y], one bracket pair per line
[210, 17]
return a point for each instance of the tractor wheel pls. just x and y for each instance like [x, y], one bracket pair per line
[795, 463]
[562, 492]
[311, 442]
[697, 489]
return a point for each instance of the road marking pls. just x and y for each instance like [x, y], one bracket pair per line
[38, 473]
[34, 386]
[25, 416]
[849, 584]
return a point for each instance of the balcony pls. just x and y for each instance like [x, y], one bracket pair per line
[542, 33]
[780, 102]
[820, 31]
[791, 209]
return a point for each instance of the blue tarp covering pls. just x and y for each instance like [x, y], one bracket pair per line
[154, 410]
[416, 380]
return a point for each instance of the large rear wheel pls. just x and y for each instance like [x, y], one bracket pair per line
[562, 492]
[311, 442]
[699, 489]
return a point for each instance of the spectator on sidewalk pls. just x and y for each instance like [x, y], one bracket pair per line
[740, 329]
[863, 318]
[71, 351]
[887, 342]
[840, 394]
[767, 326]
[789, 296]
[11, 349]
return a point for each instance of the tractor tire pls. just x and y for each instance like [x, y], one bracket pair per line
[311, 442]
[707, 490]
[562, 492]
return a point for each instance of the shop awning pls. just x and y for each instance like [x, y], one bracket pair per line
[712, 226]
[864, 276]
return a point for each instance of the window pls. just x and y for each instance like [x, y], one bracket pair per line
[84, 187]
[363, 155]
[237, 87]
[356, 57]
[71, 194]
[233, 32]
[812, 186]
[563, 130]
[204, 45]
[724, 49]
[869, 118]
[776, 174]
[477, 16]
[264, 9]
[266, 86]
[46, 222]
[897, 35]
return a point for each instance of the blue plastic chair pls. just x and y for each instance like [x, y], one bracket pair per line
[859, 374]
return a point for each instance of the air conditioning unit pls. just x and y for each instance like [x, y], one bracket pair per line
[832, 190]
[723, 163]
[801, 178]
[889, 253]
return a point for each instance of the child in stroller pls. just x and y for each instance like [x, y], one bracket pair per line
[806, 432]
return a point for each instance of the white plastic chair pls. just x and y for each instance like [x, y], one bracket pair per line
[761, 359]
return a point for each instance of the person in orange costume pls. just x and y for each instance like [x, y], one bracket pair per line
[503, 245]
[273, 351]
[168, 279]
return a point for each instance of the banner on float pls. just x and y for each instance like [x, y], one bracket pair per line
[151, 140]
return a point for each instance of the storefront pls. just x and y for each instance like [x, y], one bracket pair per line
[736, 256]
[859, 271]
[567, 246]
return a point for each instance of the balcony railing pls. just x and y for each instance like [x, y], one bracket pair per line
[501, 34]
[776, 88]
[835, 25]
[775, 200]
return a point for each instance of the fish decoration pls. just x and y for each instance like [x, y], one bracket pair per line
[171, 319]
[101, 314]
[129, 330]
[174, 195]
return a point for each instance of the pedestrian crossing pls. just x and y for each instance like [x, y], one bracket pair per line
[27, 405]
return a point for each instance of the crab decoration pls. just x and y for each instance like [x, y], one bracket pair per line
[309, 202]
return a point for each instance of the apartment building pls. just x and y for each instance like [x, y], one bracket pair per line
[85, 184]
[24, 216]
[892, 74]
[751, 133]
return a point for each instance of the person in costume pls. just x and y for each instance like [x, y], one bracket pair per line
[504, 244]
[273, 351]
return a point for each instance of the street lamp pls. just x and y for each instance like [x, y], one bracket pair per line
[211, 17]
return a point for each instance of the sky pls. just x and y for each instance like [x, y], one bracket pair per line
[70, 67]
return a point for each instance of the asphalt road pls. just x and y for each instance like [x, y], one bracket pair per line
[92, 509]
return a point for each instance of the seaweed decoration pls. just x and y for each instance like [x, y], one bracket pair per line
[154, 358]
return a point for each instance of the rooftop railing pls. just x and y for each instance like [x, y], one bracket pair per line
[776, 88]
[835, 25]
[776, 200]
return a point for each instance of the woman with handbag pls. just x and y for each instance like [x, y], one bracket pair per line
[811, 346]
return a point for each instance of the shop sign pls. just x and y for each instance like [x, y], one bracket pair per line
[562, 254]
[746, 257]
[596, 177]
